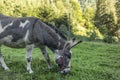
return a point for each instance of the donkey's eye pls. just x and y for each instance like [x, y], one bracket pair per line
[68, 55]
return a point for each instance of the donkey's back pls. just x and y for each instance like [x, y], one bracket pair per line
[14, 31]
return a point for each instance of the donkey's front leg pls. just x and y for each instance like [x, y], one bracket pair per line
[29, 57]
[47, 58]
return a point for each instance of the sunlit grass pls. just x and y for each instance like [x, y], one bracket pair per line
[90, 61]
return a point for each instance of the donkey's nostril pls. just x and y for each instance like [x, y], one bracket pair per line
[62, 72]
[65, 71]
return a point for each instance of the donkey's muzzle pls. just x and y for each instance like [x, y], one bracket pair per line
[65, 71]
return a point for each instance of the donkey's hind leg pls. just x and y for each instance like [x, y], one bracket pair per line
[29, 57]
[3, 62]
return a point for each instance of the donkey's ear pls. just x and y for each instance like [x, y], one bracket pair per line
[74, 42]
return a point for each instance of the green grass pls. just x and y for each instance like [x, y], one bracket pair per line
[90, 61]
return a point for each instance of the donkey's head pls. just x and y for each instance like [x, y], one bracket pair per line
[63, 56]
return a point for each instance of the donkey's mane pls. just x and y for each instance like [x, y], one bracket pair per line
[57, 31]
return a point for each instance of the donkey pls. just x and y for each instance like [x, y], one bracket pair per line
[30, 32]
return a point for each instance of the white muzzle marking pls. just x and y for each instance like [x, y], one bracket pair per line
[66, 70]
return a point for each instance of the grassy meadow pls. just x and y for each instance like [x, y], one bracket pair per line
[90, 61]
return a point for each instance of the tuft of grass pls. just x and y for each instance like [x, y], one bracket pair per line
[90, 61]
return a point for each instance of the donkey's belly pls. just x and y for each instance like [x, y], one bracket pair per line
[7, 41]
[15, 44]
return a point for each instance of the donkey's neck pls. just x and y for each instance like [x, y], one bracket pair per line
[45, 35]
[51, 38]
[55, 42]
[61, 43]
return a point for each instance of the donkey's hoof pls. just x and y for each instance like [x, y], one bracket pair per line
[7, 69]
[30, 72]
[49, 67]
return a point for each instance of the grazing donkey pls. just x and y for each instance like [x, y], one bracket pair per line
[28, 32]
